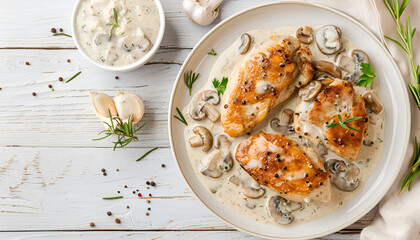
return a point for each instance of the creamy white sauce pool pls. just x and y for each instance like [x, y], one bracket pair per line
[137, 30]
[230, 194]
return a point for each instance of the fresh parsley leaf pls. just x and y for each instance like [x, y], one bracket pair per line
[220, 86]
[212, 52]
[368, 75]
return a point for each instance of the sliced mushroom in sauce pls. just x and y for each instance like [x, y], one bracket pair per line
[280, 213]
[310, 91]
[245, 43]
[283, 124]
[373, 101]
[305, 35]
[328, 39]
[352, 65]
[344, 175]
[202, 137]
[203, 106]
[249, 188]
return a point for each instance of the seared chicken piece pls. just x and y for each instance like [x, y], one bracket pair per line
[312, 119]
[278, 163]
[262, 80]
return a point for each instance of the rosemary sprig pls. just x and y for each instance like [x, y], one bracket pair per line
[414, 169]
[114, 25]
[181, 117]
[212, 52]
[123, 130]
[189, 79]
[61, 34]
[147, 153]
[406, 35]
[111, 198]
[74, 76]
[343, 123]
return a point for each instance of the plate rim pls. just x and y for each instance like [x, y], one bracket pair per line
[358, 24]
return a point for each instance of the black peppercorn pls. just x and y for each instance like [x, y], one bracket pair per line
[109, 213]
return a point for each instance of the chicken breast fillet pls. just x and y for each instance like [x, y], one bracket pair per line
[278, 163]
[262, 80]
[312, 118]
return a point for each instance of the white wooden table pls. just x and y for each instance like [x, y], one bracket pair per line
[51, 184]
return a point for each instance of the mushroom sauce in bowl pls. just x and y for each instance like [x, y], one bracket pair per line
[118, 35]
[216, 155]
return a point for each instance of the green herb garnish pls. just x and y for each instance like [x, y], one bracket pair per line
[343, 124]
[414, 169]
[220, 86]
[189, 79]
[368, 75]
[123, 130]
[212, 52]
[111, 198]
[61, 34]
[406, 35]
[74, 76]
[181, 117]
[147, 153]
[114, 25]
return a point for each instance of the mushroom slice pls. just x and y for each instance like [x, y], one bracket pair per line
[203, 105]
[328, 67]
[222, 142]
[252, 190]
[328, 39]
[304, 34]
[344, 175]
[274, 210]
[202, 12]
[211, 167]
[203, 138]
[310, 91]
[245, 43]
[352, 65]
[287, 206]
[235, 180]
[282, 124]
[373, 101]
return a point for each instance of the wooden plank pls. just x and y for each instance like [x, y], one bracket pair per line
[33, 30]
[161, 235]
[65, 117]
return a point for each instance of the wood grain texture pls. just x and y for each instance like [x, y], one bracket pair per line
[51, 184]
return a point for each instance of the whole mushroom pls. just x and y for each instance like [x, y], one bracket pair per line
[304, 34]
[202, 12]
[352, 65]
[328, 67]
[249, 189]
[202, 137]
[283, 124]
[328, 39]
[344, 175]
[373, 101]
[203, 105]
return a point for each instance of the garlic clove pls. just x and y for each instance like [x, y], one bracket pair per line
[103, 104]
[202, 12]
[129, 104]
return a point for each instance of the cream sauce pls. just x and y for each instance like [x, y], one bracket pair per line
[137, 30]
[227, 192]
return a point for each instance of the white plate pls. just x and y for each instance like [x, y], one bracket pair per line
[392, 91]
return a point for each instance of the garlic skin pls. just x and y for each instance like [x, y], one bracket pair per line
[129, 104]
[103, 104]
[202, 12]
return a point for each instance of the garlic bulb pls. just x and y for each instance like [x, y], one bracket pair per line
[129, 104]
[202, 12]
[103, 104]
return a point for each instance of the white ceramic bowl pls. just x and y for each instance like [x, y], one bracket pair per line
[132, 66]
[391, 87]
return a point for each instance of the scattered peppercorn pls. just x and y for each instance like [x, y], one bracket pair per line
[149, 209]
[150, 194]
[226, 106]
[117, 170]
[152, 183]
[50, 86]
[117, 220]
[128, 207]
[116, 77]
[276, 175]
[27, 63]
[243, 102]
[134, 192]
[277, 155]
[147, 182]
[147, 214]
[125, 186]
[352, 134]
[284, 168]
[137, 190]
[282, 65]
[53, 30]
[34, 94]
[109, 213]
[68, 60]
[92, 224]
[268, 153]
[60, 79]
[147, 201]
[163, 165]
[139, 195]
[286, 55]
[118, 191]
[366, 119]
[61, 30]
[104, 173]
